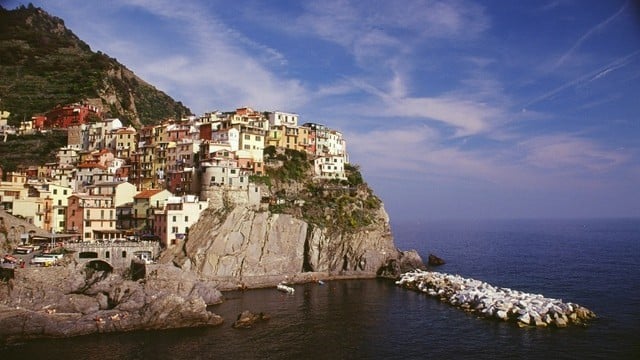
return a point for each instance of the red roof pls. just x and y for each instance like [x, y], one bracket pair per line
[145, 194]
[91, 166]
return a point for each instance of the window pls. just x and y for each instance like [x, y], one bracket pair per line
[258, 138]
[87, 223]
[87, 235]
[101, 214]
[247, 137]
[64, 192]
[55, 191]
[107, 254]
[59, 202]
[174, 229]
[186, 219]
[124, 254]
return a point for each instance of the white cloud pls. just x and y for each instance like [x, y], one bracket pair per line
[367, 29]
[569, 153]
[466, 116]
[207, 63]
[545, 163]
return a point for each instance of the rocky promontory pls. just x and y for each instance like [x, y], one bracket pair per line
[300, 229]
[248, 248]
[64, 301]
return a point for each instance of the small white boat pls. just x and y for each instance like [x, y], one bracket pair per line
[285, 288]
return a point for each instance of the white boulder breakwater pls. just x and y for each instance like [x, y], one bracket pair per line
[499, 303]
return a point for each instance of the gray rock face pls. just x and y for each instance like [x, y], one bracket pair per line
[257, 248]
[70, 301]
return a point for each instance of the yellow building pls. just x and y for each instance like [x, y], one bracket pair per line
[13, 189]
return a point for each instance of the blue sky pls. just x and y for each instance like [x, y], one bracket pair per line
[453, 109]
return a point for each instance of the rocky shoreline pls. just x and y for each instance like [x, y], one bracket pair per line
[503, 304]
[73, 300]
[67, 301]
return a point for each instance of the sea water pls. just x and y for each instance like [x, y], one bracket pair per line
[590, 262]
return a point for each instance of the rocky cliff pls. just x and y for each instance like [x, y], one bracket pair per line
[313, 229]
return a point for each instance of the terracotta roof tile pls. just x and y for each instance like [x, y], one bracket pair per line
[145, 194]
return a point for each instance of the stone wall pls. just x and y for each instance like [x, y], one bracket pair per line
[224, 197]
[118, 255]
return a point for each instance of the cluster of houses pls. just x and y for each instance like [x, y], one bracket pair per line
[113, 182]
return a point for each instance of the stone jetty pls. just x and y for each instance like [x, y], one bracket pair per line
[489, 301]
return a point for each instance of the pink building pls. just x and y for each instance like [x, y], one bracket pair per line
[91, 216]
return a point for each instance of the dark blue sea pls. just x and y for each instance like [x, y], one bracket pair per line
[594, 263]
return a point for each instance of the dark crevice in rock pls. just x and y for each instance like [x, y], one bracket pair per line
[306, 261]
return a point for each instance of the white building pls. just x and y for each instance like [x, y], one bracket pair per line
[121, 192]
[229, 136]
[67, 156]
[278, 118]
[330, 167]
[223, 172]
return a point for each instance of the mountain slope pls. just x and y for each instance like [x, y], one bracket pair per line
[43, 64]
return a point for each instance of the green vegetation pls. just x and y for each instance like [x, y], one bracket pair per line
[346, 210]
[354, 178]
[338, 205]
[43, 64]
[259, 179]
[295, 166]
[28, 150]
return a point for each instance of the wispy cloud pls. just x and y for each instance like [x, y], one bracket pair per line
[589, 33]
[419, 151]
[376, 29]
[558, 161]
[586, 78]
[465, 116]
[212, 64]
[570, 153]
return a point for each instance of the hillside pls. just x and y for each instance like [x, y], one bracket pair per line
[36, 149]
[43, 64]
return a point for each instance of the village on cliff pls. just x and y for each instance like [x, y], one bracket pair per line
[113, 183]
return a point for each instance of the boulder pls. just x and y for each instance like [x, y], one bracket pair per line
[247, 319]
[435, 261]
